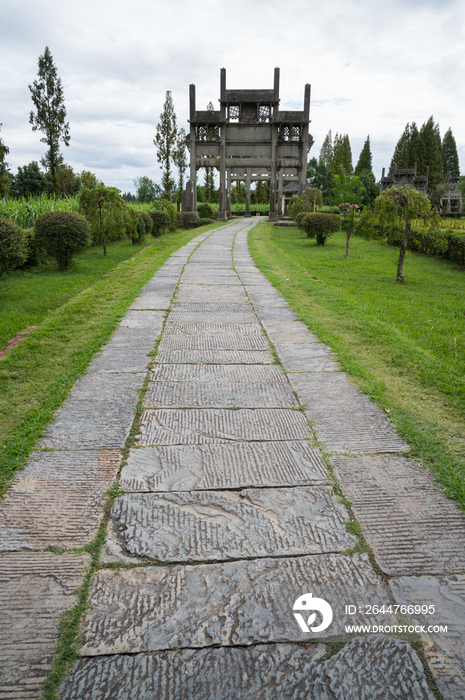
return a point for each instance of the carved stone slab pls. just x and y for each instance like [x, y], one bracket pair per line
[204, 341]
[235, 603]
[213, 329]
[370, 666]
[151, 301]
[194, 427]
[164, 286]
[445, 651]
[98, 412]
[223, 466]
[35, 588]
[144, 319]
[215, 357]
[223, 294]
[345, 419]
[56, 500]
[228, 308]
[306, 357]
[212, 317]
[411, 525]
[211, 277]
[289, 332]
[221, 525]
[218, 386]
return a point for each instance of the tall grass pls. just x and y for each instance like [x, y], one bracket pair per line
[23, 211]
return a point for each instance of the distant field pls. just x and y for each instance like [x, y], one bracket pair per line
[403, 344]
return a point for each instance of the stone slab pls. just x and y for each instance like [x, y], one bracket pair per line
[230, 308]
[98, 413]
[213, 329]
[222, 525]
[223, 466]
[57, 499]
[265, 297]
[306, 357]
[194, 427]
[204, 341]
[373, 666]
[270, 313]
[215, 357]
[411, 525]
[289, 332]
[218, 386]
[213, 278]
[151, 301]
[143, 319]
[445, 652]
[212, 317]
[117, 360]
[345, 420]
[35, 588]
[228, 604]
[222, 295]
[163, 287]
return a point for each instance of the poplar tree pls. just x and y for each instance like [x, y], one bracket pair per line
[4, 177]
[432, 140]
[165, 142]
[365, 159]
[50, 117]
[180, 161]
[342, 154]
[327, 153]
[450, 157]
[400, 158]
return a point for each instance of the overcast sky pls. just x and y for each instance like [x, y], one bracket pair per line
[373, 67]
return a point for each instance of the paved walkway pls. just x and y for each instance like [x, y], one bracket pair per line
[228, 516]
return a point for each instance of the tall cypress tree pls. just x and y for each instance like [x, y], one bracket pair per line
[401, 154]
[165, 141]
[342, 154]
[327, 152]
[365, 159]
[432, 140]
[47, 96]
[450, 157]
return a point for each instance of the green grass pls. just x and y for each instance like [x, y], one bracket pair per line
[36, 376]
[402, 344]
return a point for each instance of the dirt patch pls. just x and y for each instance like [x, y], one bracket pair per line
[19, 337]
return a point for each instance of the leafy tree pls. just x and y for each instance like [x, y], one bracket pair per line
[347, 189]
[320, 176]
[307, 202]
[349, 212]
[29, 181]
[89, 180]
[165, 142]
[147, 189]
[365, 158]
[106, 212]
[326, 157]
[50, 118]
[450, 157]
[66, 182]
[180, 161]
[368, 181]
[398, 206]
[4, 176]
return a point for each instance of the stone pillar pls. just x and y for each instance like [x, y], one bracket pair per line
[274, 171]
[193, 150]
[228, 190]
[223, 209]
[247, 191]
[280, 193]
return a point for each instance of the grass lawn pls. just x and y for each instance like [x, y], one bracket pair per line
[75, 313]
[402, 344]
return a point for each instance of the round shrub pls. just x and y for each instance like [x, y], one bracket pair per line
[320, 226]
[189, 219]
[147, 221]
[135, 227]
[160, 222]
[62, 234]
[179, 220]
[299, 217]
[204, 222]
[13, 246]
[205, 211]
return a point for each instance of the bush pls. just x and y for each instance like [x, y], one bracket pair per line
[169, 208]
[320, 226]
[205, 210]
[299, 217]
[135, 229]
[62, 234]
[179, 219]
[147, 221]
[13, 246]
[205, 222]
[160, 222]
[189, 219]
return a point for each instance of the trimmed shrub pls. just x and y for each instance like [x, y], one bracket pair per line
[204, 222]
[179, 220]
[205, 210]
[13, 246]
[147, 221]
[299, 217]
[135, 229]
[320, 226]
[189, 219]
[62, 234]
[160, 222]
[169, 208]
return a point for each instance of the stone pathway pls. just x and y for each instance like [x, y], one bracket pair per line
[228, 516]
